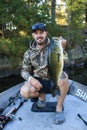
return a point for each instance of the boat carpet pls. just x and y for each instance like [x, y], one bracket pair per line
[50, 107]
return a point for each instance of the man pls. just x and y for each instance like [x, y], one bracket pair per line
[35, 72]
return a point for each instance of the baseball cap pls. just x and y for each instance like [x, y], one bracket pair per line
[40, 26]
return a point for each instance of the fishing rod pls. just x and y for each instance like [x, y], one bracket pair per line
[10, 101]
[9, 113]
[5, 118]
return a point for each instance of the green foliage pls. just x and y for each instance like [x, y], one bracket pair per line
[75, 10]
[21, 14]
[55, 30]
[8, 8]
[75, 21]
[14, 48]
[4, 46]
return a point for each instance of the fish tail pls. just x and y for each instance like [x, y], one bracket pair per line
[53, 91]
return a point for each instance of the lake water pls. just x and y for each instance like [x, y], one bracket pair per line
[75, 73]
[78, 74]
[9, 82]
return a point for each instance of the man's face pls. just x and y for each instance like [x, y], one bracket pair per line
[39, 36]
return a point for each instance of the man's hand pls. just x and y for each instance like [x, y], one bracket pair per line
[34, 82]
[63, 42]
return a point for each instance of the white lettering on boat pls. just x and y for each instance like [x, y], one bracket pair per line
[80, 93]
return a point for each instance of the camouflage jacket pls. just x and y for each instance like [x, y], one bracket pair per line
[35, 62]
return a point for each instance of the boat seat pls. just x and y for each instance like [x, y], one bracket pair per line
[50, 107]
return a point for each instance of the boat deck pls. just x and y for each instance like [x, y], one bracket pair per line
[44, 120]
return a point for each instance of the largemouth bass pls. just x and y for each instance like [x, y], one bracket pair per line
[55, 62]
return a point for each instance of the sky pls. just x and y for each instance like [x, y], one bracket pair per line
[58, 1]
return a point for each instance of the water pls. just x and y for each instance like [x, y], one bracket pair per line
[9, 82]
[78, 74]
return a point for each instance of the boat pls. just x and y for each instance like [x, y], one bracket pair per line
[75, 105]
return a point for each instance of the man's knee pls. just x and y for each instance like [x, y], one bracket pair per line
[64, 80]
[64, 83]
[28, 91]
[25, 91]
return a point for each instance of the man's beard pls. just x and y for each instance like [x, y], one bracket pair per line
[41, 42]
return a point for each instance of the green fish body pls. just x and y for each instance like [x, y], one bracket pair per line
[55, 62]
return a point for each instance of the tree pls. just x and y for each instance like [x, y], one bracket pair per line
[11, 14]
[21, 14]
[86, 14]
[53, 5]
[75, 21]
[16, 18]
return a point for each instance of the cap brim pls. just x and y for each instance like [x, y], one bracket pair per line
[39, 29]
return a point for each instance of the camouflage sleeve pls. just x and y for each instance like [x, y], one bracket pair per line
[26, 71]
